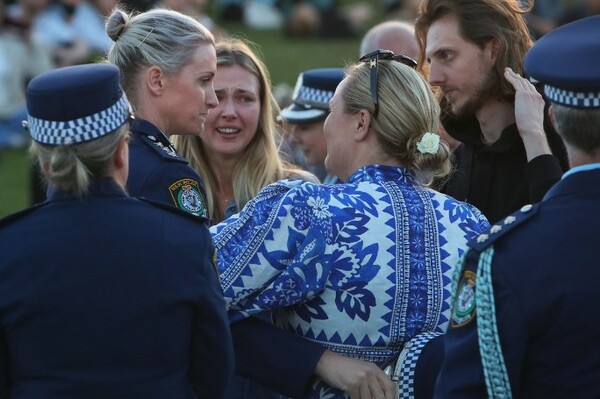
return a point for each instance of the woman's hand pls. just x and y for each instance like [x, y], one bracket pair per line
[359, 379]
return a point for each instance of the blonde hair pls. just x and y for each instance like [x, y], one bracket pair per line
[71, 168]
[164, 38]
[407, 110]
[261, 163]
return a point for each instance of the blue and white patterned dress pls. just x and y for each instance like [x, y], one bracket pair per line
[360, 267]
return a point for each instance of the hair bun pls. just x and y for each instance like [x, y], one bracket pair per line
[116, 24]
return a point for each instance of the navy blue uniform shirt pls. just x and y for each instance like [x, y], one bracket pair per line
[110, 297]
[545, 287]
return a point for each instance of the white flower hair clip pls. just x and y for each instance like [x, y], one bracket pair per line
[429, 143]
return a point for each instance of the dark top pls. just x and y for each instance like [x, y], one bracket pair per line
[264, 353]
[110, 297]
[545, 287]
[497, 179]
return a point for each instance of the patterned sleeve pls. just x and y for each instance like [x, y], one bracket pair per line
[272, 254]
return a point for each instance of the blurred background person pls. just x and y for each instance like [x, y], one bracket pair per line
[396, 36]
[196, 9]
[237, 152]
[22, 57]
[305, 116]
[89, 308]
[74, 31]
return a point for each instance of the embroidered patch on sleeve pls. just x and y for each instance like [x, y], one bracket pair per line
[186, 195]
[463, 310]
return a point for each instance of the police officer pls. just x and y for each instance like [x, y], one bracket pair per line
[525, 321]
[167, 62]
[90, 305]
[305, 116]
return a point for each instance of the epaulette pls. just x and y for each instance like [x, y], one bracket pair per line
[484, 240]
[165, 151]
[13, 217]
[172, 209]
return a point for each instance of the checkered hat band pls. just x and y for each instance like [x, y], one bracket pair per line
[313, 97]
[80, 130]
[572, 98]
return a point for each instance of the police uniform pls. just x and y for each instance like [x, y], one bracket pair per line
[310, 101]
[102, 296]
[524, 321]
[158, 173]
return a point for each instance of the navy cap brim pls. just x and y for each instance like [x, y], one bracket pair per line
[566, 61]
[298, 114]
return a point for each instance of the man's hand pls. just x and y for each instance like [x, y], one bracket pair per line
[529, 115]
[359, 379]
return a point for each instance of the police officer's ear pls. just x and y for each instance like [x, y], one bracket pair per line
[154, 80]
[121, 161]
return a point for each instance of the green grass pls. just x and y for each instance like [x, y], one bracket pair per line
[285, 58]
[14, 180]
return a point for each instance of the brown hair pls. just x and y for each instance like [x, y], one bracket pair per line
[479, 22]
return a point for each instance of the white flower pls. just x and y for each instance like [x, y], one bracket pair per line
[429, 143]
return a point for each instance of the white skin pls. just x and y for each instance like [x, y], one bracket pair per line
[309, 137]
[231, 125]
[350, 134]
[463, 70]
[179, 104]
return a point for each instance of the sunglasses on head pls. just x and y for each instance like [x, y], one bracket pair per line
[373, 58]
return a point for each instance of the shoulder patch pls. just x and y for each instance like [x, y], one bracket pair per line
[178, 211]
[484, 240]
[186, 195]
[463, 308]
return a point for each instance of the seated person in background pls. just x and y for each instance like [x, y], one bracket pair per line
[306, 114]
[362, 267]
[91, 303]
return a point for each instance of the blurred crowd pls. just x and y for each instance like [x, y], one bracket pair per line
[39, 35]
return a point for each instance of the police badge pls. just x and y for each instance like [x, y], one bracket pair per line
[186, 195]
[463, 309]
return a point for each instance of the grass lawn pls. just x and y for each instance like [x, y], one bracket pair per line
[284, 57]
[14, 180]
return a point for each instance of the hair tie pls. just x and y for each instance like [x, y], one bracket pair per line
[429, 143]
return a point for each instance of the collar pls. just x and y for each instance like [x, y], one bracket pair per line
[580, 179]
[142, 126]
[468, 131]
[581, 168]
[380, 173]
[98, 188]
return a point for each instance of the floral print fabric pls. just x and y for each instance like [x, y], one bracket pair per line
[361, 267]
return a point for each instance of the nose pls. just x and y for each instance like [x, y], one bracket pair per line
[436, 75]
[211, 99]
[228, 108]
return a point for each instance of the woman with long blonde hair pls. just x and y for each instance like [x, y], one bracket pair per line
[237, 154]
